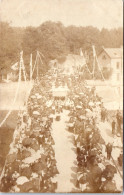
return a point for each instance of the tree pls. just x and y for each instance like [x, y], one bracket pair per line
[54, 41]
[9, 47]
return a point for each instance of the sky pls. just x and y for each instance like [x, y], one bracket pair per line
[98, 13]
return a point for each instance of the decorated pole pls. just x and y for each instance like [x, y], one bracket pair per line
[22, 65]
[31, 67]
[21, 61]
[37, 66]
[94, 57]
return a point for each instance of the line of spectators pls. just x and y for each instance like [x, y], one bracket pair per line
[31, 165]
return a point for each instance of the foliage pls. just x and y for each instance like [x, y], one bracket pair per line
[54, 41]
[107, 73]
[9, 46]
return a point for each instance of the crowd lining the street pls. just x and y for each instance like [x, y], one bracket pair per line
[31, 165]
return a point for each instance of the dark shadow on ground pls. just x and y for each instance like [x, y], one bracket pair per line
[6, 135]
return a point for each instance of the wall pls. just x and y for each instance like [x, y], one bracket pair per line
[104, 63]
[117, 75]
[112, 63]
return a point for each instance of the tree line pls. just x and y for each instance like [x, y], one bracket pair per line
[53, 40]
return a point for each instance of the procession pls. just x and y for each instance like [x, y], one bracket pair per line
[31, 165]
[61, 96]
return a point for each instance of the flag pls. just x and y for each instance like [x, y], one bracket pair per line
[15, 66]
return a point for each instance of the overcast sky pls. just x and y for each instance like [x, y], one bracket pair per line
[98, 13]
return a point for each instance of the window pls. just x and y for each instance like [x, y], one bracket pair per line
[117, 65]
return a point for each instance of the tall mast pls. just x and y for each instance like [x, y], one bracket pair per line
[22, 65]
[31, 67]
[94, 57]
[37, 66]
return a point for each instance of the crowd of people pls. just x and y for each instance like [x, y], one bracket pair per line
[31, 165]
[95, 169]
[95, 173]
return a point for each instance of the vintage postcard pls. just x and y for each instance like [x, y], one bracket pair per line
[61, 96]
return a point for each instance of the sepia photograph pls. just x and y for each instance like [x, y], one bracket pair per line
[61, 96]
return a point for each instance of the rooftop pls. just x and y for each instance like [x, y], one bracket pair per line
[114, 52]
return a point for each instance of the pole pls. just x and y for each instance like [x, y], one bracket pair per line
[21, 54]
[31, 67]
[37, 67]
[94, 57]
[93, 66]
[22, 65]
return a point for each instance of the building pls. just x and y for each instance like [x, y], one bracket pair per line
[72, 64]
[8, 75]
[112, 59]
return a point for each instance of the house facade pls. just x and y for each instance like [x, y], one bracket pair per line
[112, 59]
[8, 75]
[71, 65]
